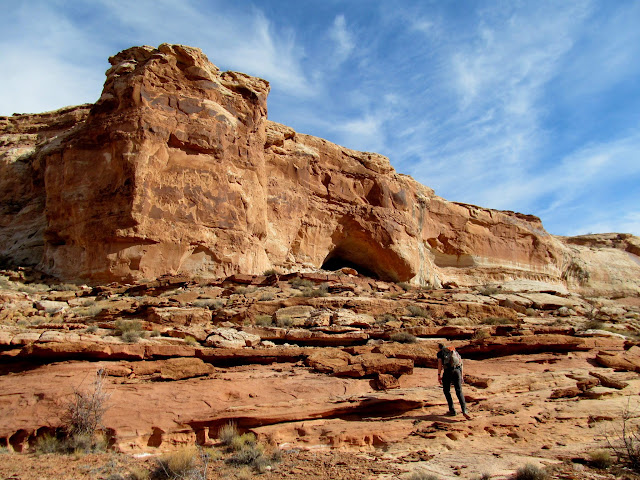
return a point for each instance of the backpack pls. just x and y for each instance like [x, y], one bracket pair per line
[451, 358]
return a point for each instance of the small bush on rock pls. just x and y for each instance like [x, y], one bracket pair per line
[176, 465]
[531, 472]
[422, 475]
[264, 320]
[403, 337]
[416, 311]
[601, 458]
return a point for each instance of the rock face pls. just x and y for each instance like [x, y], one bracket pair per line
[176, 169]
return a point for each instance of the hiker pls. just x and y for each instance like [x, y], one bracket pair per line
[450, 371]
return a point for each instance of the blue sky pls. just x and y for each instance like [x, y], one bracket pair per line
[531, 106]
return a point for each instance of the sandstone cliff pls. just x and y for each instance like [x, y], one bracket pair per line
[176, 169]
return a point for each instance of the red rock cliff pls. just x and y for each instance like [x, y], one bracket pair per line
[176, 169]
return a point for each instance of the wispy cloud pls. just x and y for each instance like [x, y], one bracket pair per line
[343, 39]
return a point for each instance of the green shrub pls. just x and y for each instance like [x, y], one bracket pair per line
[91, 329]
[481, 334]
[123, 326]
[417, 311]
[265, 297]
[284, 322]
[65, 287]
[496, 321]
[403, 337]
[405, 286]
[189, 340]
[227, 433]
[178, 465]
[264, 320]
[131, 337]
[270, 272]
[530, 472]
[301, 283]
[601, 458]
[155, 333]
[48, 443]
[594, 325]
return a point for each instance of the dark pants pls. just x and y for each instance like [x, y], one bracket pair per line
[453, 377]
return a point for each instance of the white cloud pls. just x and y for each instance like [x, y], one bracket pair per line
[343, 39]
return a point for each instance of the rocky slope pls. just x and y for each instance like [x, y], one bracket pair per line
[315, 365]
[176, 169]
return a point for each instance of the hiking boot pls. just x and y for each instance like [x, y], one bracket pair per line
[450, 413]
[466, 415]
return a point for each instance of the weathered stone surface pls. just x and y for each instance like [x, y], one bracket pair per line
[176, 169]
[179, 316]
[49, 306]
[231, 338]
[628, 360]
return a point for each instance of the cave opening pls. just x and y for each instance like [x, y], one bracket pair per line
[335, 262]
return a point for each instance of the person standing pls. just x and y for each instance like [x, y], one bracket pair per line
[450, 372]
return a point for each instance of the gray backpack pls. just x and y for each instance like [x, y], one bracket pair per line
[451, 358]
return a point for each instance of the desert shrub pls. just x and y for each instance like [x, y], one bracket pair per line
[422, 475]
[189, 340]
[4, 450]
[33, 288]
[138, 473]
[271, 271]
[301, 283]
[403, 337]
[484, 476]
[65, 287]
[382, 319]
[91, 329]
[417, 311]
[531, 312]
[240, 441]
[22, 322]
[284, 322]
[481, 334]
[123, 326]
[601, 458]
[488, 291]
[208, 303]
[131, 337]
[181, 464]
[624, 440]
[530, 472]
[227, 433]
[405, 286]
[496, 321]
[264, 320]
[83, 415]
[48, 443]
[265, 297]
[314, 292]
[155, 333]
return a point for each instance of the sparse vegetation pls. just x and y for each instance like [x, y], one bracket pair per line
[91, 329]
[210, 303]
[284, 322]
[128, 326]
[48, 443]
[178, 465]
[227, 433]
[264, 320]
[265, 297]
[301, 283]
[531, 472]
[155, 333]
[405, 286]
[481, 334]
[496, 321]
[131, 336]
[270, 272]
[385, 318]
[601, 458]
[488, 290]
[192, 342]
[417, 311]
[624, 440]
[403, 337]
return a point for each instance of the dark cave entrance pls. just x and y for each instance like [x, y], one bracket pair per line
[335, 262]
